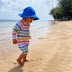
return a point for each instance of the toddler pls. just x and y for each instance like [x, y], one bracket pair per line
[20, 34]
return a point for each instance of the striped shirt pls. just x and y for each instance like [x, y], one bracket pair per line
[21, 31]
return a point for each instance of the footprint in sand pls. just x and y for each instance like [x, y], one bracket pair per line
[36, 59]
[14, 63]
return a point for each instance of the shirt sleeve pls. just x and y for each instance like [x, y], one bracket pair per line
[15, 29]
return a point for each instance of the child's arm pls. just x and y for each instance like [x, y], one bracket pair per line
[14, 33]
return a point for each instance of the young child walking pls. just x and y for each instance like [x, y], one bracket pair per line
[20, 34]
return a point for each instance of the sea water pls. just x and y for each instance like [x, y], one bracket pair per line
[38, 29]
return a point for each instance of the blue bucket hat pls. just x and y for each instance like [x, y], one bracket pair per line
[29, 12]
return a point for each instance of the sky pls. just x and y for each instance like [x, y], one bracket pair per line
[9, 9]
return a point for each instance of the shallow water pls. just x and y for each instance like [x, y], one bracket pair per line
[38, 29]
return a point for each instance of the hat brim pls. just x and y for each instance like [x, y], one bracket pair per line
[34, 16]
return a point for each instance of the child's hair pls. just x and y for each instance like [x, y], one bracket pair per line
[24, 19]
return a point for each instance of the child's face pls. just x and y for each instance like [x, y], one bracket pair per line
[29, 20]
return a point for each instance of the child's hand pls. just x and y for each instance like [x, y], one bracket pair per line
[14, 41]
[29, 37]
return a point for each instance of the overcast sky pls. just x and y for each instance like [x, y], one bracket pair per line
[9, 9]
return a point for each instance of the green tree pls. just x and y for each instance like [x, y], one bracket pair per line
[63, 11]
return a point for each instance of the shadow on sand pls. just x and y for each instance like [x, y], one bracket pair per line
[17, 68]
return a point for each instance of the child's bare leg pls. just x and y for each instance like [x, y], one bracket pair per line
[25, 59]
[20, 58]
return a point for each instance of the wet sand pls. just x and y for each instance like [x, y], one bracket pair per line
[52, 54]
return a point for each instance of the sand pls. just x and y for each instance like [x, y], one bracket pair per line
[52, 54]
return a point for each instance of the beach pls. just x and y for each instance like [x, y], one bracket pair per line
[52, 53]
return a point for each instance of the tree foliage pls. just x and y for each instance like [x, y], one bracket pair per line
[63, 11]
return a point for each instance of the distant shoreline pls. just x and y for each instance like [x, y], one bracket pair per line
[9, 20]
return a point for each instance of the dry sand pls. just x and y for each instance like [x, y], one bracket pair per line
[52, 54]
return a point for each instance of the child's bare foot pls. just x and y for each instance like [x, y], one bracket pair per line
[26, 60]
[19, 62]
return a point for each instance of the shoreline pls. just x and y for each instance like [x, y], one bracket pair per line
[51, 54]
